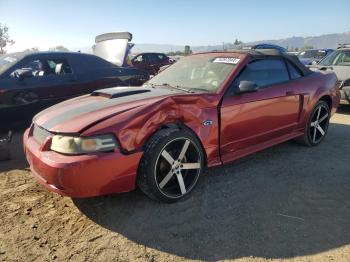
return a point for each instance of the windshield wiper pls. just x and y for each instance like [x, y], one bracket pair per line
[171, 86]
[201, 89]
[178, 87]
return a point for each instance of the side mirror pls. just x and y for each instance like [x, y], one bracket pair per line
[246, 87]
[23, 73]
[314, 63]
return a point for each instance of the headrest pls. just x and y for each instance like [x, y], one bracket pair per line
[58, 69]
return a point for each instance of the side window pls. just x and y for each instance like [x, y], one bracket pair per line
[343, 59]
[45, 67]
[59, 66]
[264, 72]
[35, 67]
[153, 58]
[161, 57]
[139, 59]
[294, 72]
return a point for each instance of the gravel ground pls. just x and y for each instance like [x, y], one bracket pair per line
[287, 203]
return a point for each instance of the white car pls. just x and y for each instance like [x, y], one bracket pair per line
[339, 63]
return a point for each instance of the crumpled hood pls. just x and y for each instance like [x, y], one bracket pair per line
[75, 115]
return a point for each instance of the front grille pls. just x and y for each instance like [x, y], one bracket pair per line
[40, 134]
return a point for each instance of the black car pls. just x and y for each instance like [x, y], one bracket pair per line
[151, 62]
[32, 82]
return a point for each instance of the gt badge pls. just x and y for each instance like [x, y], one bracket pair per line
[207, 122]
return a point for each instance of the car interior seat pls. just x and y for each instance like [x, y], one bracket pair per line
[58, 69]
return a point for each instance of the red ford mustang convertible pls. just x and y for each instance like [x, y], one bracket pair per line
[205, 110]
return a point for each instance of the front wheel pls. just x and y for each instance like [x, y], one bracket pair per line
[171, 165]
[317, 125]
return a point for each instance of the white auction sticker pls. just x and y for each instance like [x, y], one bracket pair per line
[226, 60]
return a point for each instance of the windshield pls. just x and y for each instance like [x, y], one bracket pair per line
[196, 73]
[6, 62]
[339, 57]
[312, 54]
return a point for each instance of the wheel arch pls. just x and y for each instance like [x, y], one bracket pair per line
[181, 126]
[328, 100]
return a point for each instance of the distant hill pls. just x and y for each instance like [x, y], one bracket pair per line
[161, 48]
[322, 41]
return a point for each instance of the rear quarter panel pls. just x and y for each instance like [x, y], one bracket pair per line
[312, 88]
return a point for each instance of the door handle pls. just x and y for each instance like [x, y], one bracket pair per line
[290, 93]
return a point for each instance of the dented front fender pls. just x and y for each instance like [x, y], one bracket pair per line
[135, 127]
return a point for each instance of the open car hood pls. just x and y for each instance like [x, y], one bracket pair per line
[113, 47]
[77, 114]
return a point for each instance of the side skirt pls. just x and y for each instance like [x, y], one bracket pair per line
[252, 149]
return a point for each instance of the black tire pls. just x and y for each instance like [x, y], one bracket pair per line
[312, 135]
[159, 179]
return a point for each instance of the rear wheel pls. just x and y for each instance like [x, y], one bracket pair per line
[317, 126]
[171, 165]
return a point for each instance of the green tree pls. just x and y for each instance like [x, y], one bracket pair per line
[172, 53]
[59, 48]
[306, 47]
[237, 42]
[33, 49]
[4, 38]
[187, 50]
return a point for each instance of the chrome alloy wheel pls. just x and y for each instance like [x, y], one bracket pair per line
[319, 124]
[178, 167]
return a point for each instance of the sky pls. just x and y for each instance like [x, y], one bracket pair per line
[74, 24]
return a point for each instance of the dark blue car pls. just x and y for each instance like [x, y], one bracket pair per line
[312, 56]
[265, 46]
[31, 82]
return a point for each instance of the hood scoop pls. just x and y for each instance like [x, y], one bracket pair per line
[117, 92]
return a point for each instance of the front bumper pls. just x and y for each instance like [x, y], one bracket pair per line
[82, 175]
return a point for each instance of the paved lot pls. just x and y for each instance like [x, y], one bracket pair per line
[286, 203]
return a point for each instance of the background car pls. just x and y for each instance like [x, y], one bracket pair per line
[312, 56]
[265, 46]
[339, 63]
[31, 82]
[151, 62]
[203, 111]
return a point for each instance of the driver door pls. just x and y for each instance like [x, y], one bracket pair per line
[252, 121]
[42, 88]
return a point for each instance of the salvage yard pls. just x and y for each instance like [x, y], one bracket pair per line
[288, 203]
